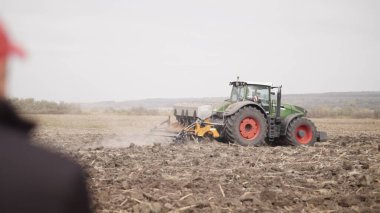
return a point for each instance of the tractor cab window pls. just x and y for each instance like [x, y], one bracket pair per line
[237, 93]
[259, 94]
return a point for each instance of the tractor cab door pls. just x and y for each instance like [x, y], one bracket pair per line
[238, 93]
[259, 94]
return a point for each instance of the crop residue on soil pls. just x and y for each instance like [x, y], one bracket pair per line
[342, 174]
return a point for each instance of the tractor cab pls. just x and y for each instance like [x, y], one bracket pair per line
[259, 93]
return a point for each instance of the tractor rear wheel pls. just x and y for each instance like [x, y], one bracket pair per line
[301, 131]
[247, 127]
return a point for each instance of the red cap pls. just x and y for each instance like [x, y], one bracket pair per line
[7, 48]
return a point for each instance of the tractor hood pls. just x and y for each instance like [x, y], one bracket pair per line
[287, 109]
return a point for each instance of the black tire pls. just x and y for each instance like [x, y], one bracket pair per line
[247, 127]
[301, 131]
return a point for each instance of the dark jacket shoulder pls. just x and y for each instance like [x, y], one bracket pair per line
[33, 179]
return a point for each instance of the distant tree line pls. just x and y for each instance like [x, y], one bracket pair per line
[343, 112]
[339, 105]
[134, 111]
[31, 106]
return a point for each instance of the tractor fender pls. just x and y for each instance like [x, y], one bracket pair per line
[285, 122]
[231, 109]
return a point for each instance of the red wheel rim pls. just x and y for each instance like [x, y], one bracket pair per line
[304, 134]
[249, 128]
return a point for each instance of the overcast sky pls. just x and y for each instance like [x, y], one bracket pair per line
[97, 50]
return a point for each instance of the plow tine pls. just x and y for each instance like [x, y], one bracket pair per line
[163, 130]
[168, 136]
[162, 123]
[178, 136]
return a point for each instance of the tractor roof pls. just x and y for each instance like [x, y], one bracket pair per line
[269, 84]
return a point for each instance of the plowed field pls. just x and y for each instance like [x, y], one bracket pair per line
[129, 171]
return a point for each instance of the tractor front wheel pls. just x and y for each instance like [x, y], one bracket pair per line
[247, 127]
[301, 131]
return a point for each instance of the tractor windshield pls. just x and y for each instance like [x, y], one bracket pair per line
[258, 93]
[237, 93]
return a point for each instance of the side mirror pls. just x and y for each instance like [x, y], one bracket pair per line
[272, 93]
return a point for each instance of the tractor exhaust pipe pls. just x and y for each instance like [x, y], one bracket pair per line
[278, 107]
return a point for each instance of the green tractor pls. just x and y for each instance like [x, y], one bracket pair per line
[252, 115]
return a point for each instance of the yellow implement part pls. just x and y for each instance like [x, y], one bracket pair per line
[207, 129]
